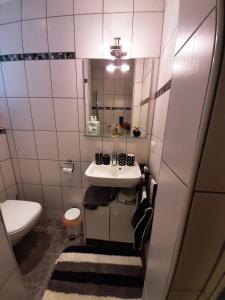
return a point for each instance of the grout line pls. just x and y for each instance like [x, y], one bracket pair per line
[13, 138]
[57, 142]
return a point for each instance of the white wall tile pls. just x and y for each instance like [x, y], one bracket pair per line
[155, 155]
[147, 27]
[16, 168]
[34, 36]
[42, 113]
[12, 192]
[89, 147]
[59, 8]
[4, 114]
[17, 292]
[166, 62]
[8, 173]
[118, 6]
[61, 34]
[3, 196]
[10, 39]
[20, 113]
[66, 114]
[38, 78]
[82, 117]
[151, 107]
[29, 171]
[25, 144]
[4, 153]
[64, 78]
[53, 196]
[73, 179]
[140, 148]
[32, 9]
[117, 25]
[2, 88]
[88, 7]
[15, 79]
[84, 166]
[110, 145]
[11, 143]
[191, 14]
[171, 16]
[80, 78]
[10, 11]
[33, 192]
[68, 143]
[50, 174]
[46, 144]
[6, 259]
[2, 186]
[190, 79]
[148, 5]
[88, 36]
[72, 197]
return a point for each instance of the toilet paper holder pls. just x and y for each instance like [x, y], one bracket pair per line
[68, 166]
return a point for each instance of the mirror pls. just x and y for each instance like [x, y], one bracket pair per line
[117, 94]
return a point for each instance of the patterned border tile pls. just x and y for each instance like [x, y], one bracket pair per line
[111, 108]
[163, 89]
[38, 56]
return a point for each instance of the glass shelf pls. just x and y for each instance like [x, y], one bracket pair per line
[128, 136]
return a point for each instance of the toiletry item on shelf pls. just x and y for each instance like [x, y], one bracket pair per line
[124, 125]
[68, 167]
[116, 131]
[122, 159]
[136, 132]
[93, 126]
[99, 158]
[106, 159]
[130, 159]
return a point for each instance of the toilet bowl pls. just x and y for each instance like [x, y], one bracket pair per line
[19, 217]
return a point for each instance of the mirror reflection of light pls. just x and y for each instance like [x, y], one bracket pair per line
[110, 68]
[125, 67]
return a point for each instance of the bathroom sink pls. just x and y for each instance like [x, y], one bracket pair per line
[114, 176]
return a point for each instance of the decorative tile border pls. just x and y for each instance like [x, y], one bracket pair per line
[38, 56]
[111, 108]
[2, 130]
[163, 89]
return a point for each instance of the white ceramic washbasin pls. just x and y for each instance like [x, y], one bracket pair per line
[114, 176]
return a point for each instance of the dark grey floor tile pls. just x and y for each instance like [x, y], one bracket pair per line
[41, 274]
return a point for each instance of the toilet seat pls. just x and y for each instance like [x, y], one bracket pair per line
[19, 217]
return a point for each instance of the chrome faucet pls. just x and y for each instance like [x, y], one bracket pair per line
[114, 158]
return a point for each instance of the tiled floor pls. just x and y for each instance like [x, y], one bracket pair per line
[37, 253]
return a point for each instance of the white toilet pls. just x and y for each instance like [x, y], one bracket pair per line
[19, 217]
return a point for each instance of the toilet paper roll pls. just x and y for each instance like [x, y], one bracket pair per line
[67, 170]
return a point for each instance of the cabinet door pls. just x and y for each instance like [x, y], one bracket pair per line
[121, 229]
[97, 223]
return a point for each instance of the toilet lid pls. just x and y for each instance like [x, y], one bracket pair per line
[18, 214]
[72, 214]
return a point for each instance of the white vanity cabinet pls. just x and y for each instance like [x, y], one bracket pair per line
[111, 223]
[97, 223]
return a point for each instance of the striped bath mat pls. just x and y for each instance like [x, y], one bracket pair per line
[90, 273]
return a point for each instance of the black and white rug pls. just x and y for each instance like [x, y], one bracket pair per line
[91, 273]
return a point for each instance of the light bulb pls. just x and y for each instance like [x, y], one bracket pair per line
[110, 68]
[125, 67]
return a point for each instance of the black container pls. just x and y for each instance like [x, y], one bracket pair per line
[122, 159]
[99, 158]
[106, 159]
[130, 160]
